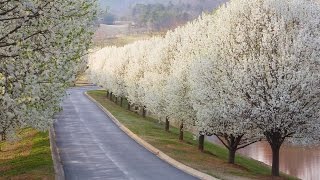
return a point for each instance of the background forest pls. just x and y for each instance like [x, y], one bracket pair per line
[154, 15]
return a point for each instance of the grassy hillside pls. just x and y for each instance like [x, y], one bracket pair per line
[28, 158]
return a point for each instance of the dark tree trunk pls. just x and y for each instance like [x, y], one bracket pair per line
[275, 161]
[128, 107]
[121, 101]
[181, 132]
[3, 136]
[201, 143]
[275, 139]
[107, 94]
[144, 112]
[232, 155]
[231, 142]
[136, 109]
[167, 124]
[232, 149]
[111, 96]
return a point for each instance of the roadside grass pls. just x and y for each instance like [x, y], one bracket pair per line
[28, 158]
[213, 161]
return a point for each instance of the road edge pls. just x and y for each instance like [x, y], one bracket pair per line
[57, 164]
[151, 148]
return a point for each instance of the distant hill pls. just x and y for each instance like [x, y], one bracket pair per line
[122, 7]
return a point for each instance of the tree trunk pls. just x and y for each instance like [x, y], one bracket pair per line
[275, 139]
[144, 112]
[232, 156]
[111, 96]
[201, 143]
[121, 101]
[129, 107]
[181, 132]
[231, 142]
[107, 94]
[167, 124]
[136, 109]
[232, 148]
[3, 136]
[275, 161]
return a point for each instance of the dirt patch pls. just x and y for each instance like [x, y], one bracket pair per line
[29, 176]
[12, 150]
[5, 168]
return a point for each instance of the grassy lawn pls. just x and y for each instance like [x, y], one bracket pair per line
[213, 161]
[29, 158]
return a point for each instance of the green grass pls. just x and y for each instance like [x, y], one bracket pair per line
[29, 158]
[213, 161]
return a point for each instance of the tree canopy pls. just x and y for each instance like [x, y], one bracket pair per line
[42, 44]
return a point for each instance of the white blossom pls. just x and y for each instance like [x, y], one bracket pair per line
[42, 44]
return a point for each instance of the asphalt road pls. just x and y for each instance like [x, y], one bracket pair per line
[91, 146]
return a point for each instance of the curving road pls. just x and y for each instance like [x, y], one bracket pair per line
[91, 146]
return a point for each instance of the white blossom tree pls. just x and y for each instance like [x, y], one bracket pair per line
[228, 121]
[155, 80]
[41, 49]
[267, 57]
[192, 43]
[135, 73]
[250, 68]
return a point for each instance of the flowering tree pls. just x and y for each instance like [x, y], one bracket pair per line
[267, 60]
[41, 49]
[135, 73]
[97, 62]
[216, 115]
[191, 45]
[156, 76]
[119, 73]
[249, 69]
[152, 82]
